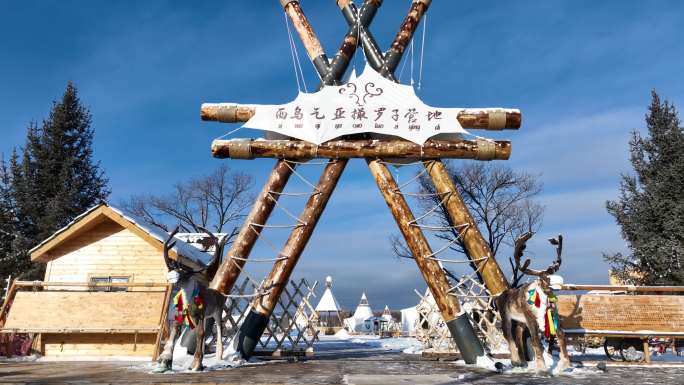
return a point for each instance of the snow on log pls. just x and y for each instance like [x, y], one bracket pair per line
[478, 149]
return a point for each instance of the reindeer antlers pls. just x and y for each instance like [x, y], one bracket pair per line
[218, 243]
[520, 245]
[169, 245]
[558, 242]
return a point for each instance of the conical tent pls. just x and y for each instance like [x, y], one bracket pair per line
[363, 311]
[328, 308]
[387, 314]
[328, 301]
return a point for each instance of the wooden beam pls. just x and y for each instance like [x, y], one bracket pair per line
[628, 288]
[232, 264]
[256, 320]
[230, 269]
[154, 330]
[478, 149]
[282, 269]
[471, 118]
[311, 43]
[9, 297]
[474, 243]
[42, 284]
[163, 324]
[429, 267]
[403, 37]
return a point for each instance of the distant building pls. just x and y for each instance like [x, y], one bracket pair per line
[356, 323]
[105, 290]
[328, 310]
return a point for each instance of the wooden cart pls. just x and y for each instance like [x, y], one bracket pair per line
[629, 318]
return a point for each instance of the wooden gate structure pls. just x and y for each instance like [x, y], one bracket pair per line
[292, 328]
[290, 153]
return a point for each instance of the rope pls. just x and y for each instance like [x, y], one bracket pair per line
[308, 162]
[268, 242]
[261, 294]
[261, 260]
[292, 194]
[401, 72]
[441, 202]
[418, 175]
[412, 61]
[306, 181]
[422, 52]
[275, 201]
[299, 65]
[229, 133]
[292, 51]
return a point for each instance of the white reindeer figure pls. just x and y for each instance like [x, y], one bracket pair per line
[194, 304]
[533, 305]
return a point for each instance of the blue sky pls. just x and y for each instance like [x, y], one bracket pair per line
[580, 71]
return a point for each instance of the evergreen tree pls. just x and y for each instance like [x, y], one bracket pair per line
[7, 222]
[650, 210]
[57, 178]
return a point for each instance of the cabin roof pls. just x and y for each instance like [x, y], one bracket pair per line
[182, 251]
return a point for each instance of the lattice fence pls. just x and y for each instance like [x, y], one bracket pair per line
[431, 329]
[476, 300]
[292, 326]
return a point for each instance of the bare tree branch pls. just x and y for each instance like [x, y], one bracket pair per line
[500, 199]
[208, 202]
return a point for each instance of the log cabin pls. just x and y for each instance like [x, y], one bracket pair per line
[105, 292]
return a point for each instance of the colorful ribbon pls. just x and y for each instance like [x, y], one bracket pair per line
[185, 310]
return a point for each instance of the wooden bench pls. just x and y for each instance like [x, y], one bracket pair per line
[621, 316]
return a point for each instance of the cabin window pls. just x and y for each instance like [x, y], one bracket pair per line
[109, 279]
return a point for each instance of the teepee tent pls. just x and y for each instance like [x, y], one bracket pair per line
[328, 309]
[387, 314]
[363, 311]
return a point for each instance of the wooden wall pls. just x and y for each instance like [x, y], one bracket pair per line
[96, 323]
[106, 250]
[622, 313]
[97, 345]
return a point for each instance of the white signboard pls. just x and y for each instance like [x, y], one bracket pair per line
[367, 103]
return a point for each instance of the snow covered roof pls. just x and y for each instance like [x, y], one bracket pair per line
[200, 241]
[181, 251]
[328, 301]
[363, 310]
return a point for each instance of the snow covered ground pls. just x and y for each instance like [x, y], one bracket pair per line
[360, 359]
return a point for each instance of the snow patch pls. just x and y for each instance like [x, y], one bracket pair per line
[31, 358]
[342, 334]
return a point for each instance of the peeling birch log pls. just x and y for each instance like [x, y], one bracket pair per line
[303, 27]
[231, 267]
[415, 240]
[477, 247]
[478, 149]
[299, 237]
[263, 206]
[494, 119]
[257, 318]
[403, 37]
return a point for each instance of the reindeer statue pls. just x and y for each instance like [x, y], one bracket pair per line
[533, 305]
[195, 304]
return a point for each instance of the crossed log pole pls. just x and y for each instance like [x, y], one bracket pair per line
[330, 73]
